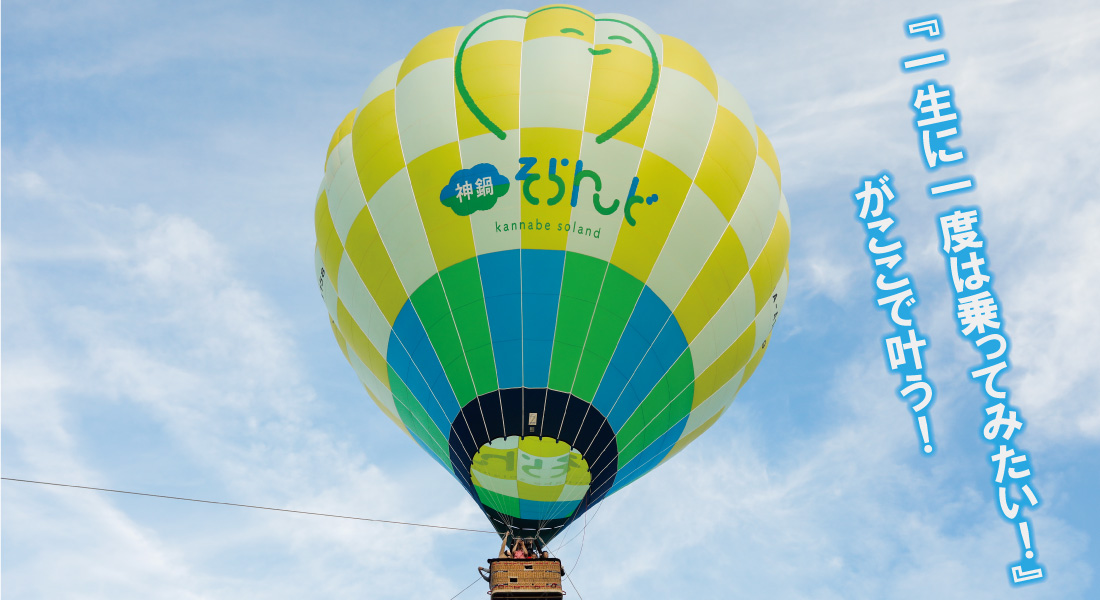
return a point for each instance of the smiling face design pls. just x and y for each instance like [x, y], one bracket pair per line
[610, 39]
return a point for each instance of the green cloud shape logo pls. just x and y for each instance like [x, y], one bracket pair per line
[474, 189]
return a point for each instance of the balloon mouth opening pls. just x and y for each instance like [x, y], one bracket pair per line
[492, 424]
[530, 476]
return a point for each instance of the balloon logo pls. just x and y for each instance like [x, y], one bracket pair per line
[552, 246]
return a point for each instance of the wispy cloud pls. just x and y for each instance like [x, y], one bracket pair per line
[170, 339]
[156, 255]
[848, 513]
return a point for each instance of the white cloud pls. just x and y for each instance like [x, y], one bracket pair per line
[1031, 77]
[848, 513]
[139, 305]
[1024, 80]
[170, 339]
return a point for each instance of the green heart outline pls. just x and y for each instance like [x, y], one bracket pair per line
[603, 137]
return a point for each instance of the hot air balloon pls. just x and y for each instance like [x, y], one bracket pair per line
[553, 246]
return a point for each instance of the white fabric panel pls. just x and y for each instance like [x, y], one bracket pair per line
[554, 77]
[362, 306]
[328, 289]
[732, 100]
[345, 194]
[717, 402]
[332, 163]
[723, 329]
[501, 29]
[379, 390]
[508, 487]
[535, 470]
[398, 220]
[384, 82]
[693, 238]
[766, 319]
[755, 215]
[426, 108]
[616, 163]
[504, 155]
[683, 117]
[604, 29]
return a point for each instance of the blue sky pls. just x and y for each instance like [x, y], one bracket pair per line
[162, 331]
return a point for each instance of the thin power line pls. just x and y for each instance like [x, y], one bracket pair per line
[286, 510]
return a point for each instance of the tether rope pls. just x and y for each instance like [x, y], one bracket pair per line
[286, 510]
[471, 585]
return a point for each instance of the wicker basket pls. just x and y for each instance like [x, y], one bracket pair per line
[529, 579]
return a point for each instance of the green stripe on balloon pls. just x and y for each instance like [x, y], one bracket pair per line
[497, 501]
[431, 306]
[596, 303]
[463, 285]
[417, 421]
[579, 290]
[618, 296]
[668, 403]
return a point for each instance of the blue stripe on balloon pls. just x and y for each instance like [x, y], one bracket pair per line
[652, 456]
[500, 280]
[542, 276]
[644, 354]
[412, 356]
[613, 390]
[668, 347]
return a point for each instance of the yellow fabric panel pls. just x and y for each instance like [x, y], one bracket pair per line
[543, 446]
[769, 265]
[755, 362]
[550, 20]
[680, 445]
[727, 163]
[579, 473]
[328, 241]
[440, 44]
[498, 463]
[544, 493]
[490, 71]
[720, 275]
[545, 143]
[681, 56]
[344, 347]
[619, 80]
[372, 262]
[376, 145]
[341, 130]
[727, 365]
[359, 343]
[638, 246]
[767, 153]
[386, 411]
[339, 338]
[449, 235]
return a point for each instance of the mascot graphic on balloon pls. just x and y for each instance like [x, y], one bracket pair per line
[552, 246]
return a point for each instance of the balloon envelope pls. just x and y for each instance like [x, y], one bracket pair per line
[553, 246]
